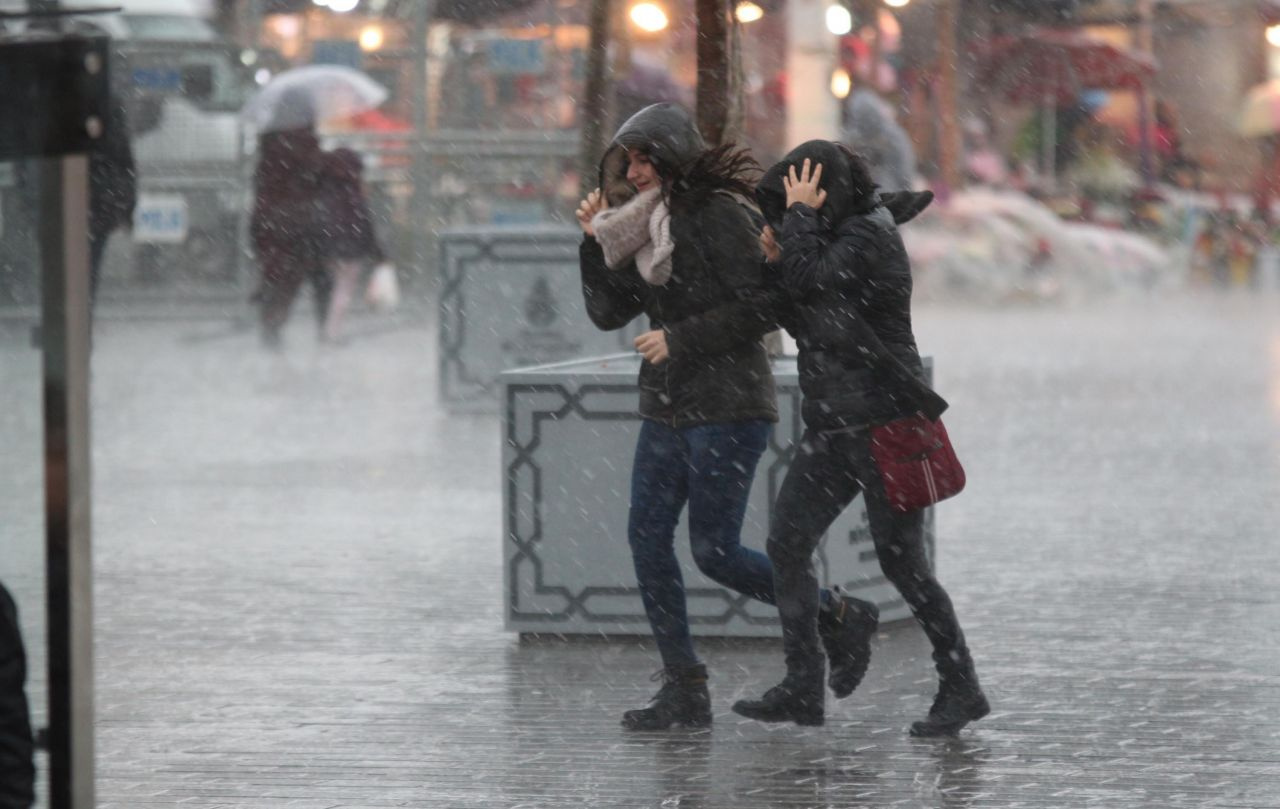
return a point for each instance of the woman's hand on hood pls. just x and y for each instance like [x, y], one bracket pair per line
[804, 189]
[587, 210]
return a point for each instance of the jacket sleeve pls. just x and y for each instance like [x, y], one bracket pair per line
[811, 261]
[730, 246]
[613, 297]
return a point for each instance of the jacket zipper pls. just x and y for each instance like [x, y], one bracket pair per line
[666, 366]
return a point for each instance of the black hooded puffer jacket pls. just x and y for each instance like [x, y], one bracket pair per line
[842, 263]
[17, 772]
[714, 309]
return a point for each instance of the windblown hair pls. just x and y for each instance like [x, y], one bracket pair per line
[724, 168]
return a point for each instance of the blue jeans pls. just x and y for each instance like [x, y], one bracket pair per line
[711, 468]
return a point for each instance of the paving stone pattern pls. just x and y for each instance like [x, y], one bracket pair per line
[299, 600]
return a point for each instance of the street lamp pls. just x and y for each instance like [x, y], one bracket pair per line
[839, 20]
[649, 17]
[841, 83]
[747, 11]
[371, 38]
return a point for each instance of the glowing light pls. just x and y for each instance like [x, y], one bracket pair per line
[286, 26]
[371, 38]
[839, 20]
[1273, 35]
[748, 12]
[343, 6]
[841, 83]
[896, 3]
[649, 17]
[262, 75]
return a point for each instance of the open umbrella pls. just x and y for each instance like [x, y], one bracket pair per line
[1053, 67]
[1260, 115]
[333, 91]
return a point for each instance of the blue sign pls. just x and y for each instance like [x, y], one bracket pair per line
[157, 78]
[517, 56]
[343, 52]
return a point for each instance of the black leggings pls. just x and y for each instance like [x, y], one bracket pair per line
[826, 474]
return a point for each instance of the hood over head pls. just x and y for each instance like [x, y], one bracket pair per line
[665, 132]
[845, 178]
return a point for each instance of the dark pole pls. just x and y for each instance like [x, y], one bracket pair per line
[64, 245]
[77, 99]
[593, 106]
[714, 75]
[422, 240]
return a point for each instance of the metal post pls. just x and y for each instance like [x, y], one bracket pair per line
[65, 327]
[422, 229]
[62, 84]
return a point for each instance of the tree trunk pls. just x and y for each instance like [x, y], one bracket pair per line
[948, 130]
[593, 106]
[715, 70]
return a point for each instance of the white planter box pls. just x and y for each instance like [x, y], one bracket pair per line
[570, 431]
[511, 297]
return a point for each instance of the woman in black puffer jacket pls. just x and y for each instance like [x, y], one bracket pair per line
[672, 237]
[17, 772]
[842, 264]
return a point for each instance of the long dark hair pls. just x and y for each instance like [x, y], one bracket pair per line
[728, 167]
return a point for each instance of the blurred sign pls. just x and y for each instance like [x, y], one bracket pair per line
[517, 57]
[343, 52]
[158, 79]
[161, 218]
[512, 297]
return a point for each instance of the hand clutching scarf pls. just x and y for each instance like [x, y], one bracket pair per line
[640, 229]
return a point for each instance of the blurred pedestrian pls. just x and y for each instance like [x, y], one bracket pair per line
[350, 243]
[290, 217]
[873, 130]
[670, 235]
[113, 188]
[17, 771]
[837, 253]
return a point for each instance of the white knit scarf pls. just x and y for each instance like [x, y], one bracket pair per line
[640, 229]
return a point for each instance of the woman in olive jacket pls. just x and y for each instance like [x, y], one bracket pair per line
[841, 261]
[671, 236]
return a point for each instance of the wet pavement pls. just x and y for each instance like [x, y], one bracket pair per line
[299, 584]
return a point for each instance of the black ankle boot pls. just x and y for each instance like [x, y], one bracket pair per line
[796, 699]
[959, 701]
[846, 631]
[683, 700]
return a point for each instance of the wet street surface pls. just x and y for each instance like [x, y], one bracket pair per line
[299, 598]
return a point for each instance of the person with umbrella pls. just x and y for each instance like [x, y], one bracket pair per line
[304, 197]
[287, 226]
